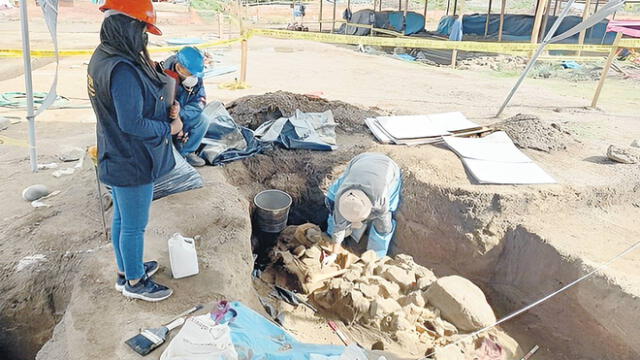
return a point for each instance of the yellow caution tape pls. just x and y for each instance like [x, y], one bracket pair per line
[418, 43]
[15, 53]
[4, 140]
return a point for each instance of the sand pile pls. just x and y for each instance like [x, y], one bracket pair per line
[528, 131]
[253, 110]
[392, 295]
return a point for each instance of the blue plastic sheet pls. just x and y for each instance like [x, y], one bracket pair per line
[310, 131]
[225, 140]
[257, 338]
[518, 27]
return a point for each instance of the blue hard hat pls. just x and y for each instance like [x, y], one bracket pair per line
[193, 59]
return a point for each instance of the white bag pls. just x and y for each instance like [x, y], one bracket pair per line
[199, 339]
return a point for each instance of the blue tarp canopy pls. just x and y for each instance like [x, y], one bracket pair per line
[518, 27]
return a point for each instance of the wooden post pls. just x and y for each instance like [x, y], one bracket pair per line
[293, 7]
[454, 58]
[555, 8]
[399, 5]
[320, 16]
[536, 23]
[333, 25]
[220, 25]
[486, 25]
[545, 20]
[585, 14]
[605, 70]
[455, 7]
[404, 18]
[244, 50]
[448, 4]
[504, 3]
[379, 5]
[597, 4]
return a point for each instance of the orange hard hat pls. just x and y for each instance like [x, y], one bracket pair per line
[137, 9]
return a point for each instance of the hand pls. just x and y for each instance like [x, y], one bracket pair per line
[174, 110]
[183, 136]
[176, 126]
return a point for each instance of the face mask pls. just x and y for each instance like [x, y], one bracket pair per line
[190, 82]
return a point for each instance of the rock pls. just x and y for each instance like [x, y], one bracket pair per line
[314, 235]
[368, 290]
[408, 339]
[313, 253]
[378, 345]
[4, 123]
[369, 256]
[636, 143]
[415, 297]
[352, 307]
[35, 192]
[72, 155]
[381, 307]
[424, 277]
[352, 275]
[387, 288]
[451, 352]
[461, 302]
[510, 347]
[369, 269]
[399, 322]
[406, 279]
[301, 232]
[622, 155]
[442, 327]
[298, 251]
[413, 312]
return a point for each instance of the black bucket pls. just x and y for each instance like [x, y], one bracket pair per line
[272, 210]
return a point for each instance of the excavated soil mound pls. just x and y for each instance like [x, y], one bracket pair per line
[529, 132]
[253, 110]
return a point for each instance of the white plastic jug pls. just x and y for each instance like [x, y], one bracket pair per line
[182, 256]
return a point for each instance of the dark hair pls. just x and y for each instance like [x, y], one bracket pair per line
[126, 37]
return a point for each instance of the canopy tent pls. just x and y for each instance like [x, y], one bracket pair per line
[50, 12]
[621, 27]
[610, 8]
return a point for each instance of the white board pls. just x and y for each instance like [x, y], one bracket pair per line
[495, 147]
[495, 172]
[423, 126]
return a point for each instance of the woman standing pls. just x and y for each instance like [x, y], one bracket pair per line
[134, 135]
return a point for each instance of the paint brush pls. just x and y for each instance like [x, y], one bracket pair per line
[150, 339]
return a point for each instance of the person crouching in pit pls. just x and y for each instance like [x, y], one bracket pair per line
[365, 197]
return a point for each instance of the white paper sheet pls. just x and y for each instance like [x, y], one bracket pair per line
[495, 172]
[494, 159]
[422, 126]
[495, 147]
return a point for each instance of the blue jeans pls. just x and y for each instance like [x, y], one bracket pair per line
[196, 129]
[131, 206]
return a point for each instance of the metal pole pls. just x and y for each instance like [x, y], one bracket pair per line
[448, 4]
[555, 8]
[455, 6]
[28, 83]
[533, 59]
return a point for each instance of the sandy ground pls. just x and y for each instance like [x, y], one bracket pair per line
[589, 216]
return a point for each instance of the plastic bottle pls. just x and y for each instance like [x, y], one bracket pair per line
[182, 256]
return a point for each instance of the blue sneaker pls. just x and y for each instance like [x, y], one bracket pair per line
[150, 268]
[146, 289]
